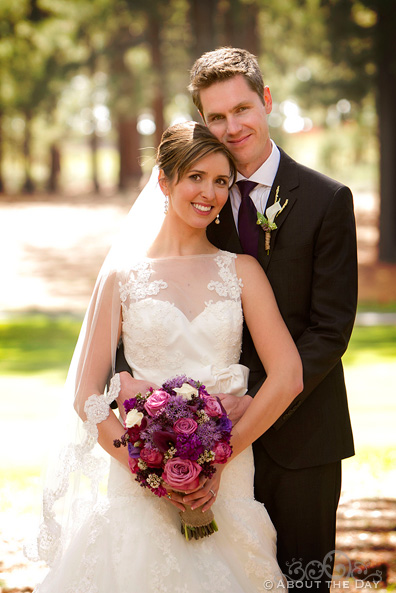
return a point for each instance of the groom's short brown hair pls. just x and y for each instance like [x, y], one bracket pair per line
[222, 64]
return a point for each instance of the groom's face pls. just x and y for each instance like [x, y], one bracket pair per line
[237, 116]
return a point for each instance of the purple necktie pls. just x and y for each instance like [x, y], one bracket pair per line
[247, 219]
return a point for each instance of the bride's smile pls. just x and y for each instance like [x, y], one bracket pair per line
[197, 198]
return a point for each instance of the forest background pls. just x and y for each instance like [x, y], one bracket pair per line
[86, 89]
[112, 74]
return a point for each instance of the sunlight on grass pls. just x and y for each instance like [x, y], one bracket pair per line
[370, 345]
[368, 306]
[35, 343]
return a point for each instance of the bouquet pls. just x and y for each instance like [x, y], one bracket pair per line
[176, 434]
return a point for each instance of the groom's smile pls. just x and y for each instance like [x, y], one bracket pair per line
[237, 116]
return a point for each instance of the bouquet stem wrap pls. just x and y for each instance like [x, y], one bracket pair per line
[195, 524]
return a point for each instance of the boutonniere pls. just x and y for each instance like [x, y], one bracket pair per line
[268, 223]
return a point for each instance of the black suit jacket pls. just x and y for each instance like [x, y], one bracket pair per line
[312, 268]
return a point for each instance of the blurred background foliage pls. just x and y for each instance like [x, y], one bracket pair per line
[87, 87]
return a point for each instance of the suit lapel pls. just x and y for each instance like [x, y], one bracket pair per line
[286, 179]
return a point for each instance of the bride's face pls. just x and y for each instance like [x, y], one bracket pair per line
[200, 195]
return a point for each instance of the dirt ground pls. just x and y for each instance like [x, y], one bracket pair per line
[52, 248]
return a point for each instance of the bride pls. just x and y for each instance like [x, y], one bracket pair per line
[178, 304]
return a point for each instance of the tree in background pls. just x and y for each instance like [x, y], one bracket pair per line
[141, 52]
[356, 43]
[385, 48]
[36, 55]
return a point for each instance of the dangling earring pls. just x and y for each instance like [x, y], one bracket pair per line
[217, 219]
[166, 205]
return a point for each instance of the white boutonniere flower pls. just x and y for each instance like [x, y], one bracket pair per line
[267, 222]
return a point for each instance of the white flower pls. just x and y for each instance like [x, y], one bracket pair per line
[272, 211]
[133, 418]
[186, 391]
[268, 224]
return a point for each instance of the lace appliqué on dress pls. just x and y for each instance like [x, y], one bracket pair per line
[231, 285]
[138, 286]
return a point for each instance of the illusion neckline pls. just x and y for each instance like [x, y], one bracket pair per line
[179, 257]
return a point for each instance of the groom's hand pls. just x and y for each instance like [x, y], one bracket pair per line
[234, 406]
[129, 388]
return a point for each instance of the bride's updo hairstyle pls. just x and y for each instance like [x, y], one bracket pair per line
[182, 145]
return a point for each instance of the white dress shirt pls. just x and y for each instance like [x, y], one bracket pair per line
[264, 177]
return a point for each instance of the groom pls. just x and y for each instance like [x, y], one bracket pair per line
[311, 263]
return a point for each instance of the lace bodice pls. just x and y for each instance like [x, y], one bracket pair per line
[182, 315]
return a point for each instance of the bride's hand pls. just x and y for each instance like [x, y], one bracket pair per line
[203, 496]
[206, 495]
[129, 388]
[234, 406]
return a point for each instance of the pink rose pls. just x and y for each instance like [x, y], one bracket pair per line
[212, 406]
[182, 474]
[185, 426]
[152, 457]
[222, 452]
[156, 401]
[133, 464]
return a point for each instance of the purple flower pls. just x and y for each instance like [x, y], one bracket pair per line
[176, 408]
[133, 452]
[208, 433]
[189, 447]
[129, 404]
[175, 382]
[178, 382]
[225, 425]
[163, 439]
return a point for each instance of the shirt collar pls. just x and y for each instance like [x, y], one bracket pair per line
[265, 174]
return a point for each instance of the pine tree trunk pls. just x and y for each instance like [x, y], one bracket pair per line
[28, 186]
[203, 19]
[128, 144]
[55, 167]
[93, 142]
[1, 153]
[158, 66]
[386, 103]
[241, 25]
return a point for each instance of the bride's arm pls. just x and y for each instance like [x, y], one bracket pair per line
[277, 352]
[102, 333]
[282, 364]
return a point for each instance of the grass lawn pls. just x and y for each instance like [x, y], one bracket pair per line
[35, 352]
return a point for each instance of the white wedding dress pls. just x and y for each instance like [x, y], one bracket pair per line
[181, 315]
